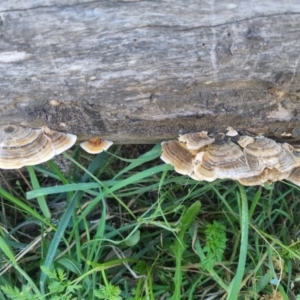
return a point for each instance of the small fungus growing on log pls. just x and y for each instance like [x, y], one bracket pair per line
[231, 131]
[21, 146]
[196, 140]
[250, 160]
[95, 145]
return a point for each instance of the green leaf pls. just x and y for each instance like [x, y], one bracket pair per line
[179, 246]
[133, 239]
[58, 236]
[215, 236]
[235, 284]
[188, 218]
[110, 292]
[41, 199]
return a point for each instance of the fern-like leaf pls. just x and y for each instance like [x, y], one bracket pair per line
[14, 293]
[61, 275]
[215, 235]
[111, 292]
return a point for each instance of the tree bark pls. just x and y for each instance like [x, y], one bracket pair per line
[144, 71]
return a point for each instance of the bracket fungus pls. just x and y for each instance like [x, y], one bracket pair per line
[95, 145]
[294, 176]
[21, 146]
[196, 140]
[222, 159]
[250, 160]
[267, 176]
[176, 154]
[231, 131]
[265, 150]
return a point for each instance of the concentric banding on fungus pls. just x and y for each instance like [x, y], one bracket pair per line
[176, 154]
[21, 146]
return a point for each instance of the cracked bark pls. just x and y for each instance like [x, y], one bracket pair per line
[144, 71]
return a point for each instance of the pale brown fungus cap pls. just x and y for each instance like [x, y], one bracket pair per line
[231, 131]
[267, 176]
[205, 171]
[245, 140]
[287, 160]
[267, 151]
[276, 175]
[176, 154]
[196, 140]
[260, 179]
[21, 146]
[223, 160]
[251, 161]
[95, 145]
[294, 176]
[60, 141]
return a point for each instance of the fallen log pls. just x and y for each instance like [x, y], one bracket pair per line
[144, 71]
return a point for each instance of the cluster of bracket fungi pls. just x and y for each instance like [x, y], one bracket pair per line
[22, 146]
[249, 160]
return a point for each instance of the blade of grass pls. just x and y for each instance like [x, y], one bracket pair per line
[11, 256]
[96, 163]
[254, 202]
[179, 246]
[150, 155]
[135, 178]
[223, 199]
[235, 284]
[57, 237]
[41, 199]
[58, 173]
[107, 183]
[131, 180]
[72, 187]
[283, 293]
[23, 206]
[100, 184]
[46, 172]
[99, 267]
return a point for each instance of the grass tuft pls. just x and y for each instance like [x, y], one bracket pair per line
[124, 226]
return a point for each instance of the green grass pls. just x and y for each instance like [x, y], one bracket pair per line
[116, 228]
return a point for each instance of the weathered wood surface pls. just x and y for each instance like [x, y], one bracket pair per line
[144, 71]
